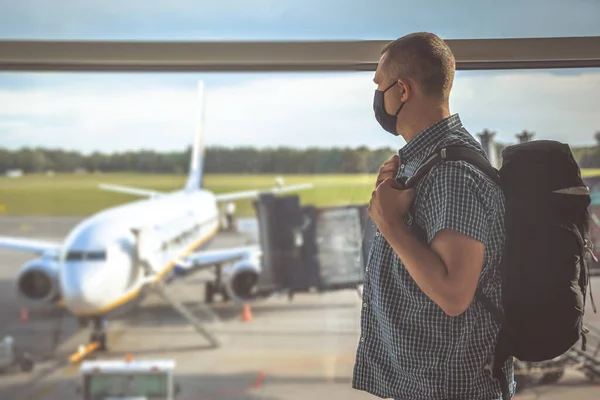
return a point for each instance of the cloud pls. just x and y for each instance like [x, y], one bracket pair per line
[260, 111]
[558, 107]
[296, 110]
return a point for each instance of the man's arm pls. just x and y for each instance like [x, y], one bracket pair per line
[447, 270]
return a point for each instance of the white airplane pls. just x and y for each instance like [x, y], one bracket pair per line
[108, 260]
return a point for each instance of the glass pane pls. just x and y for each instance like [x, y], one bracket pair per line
[110, 112]
[294, 19]
[145, 386]
[135, 130]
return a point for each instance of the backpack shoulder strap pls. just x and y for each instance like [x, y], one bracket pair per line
[461, 153]
[453, 153]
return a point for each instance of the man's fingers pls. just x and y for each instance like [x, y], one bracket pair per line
[383, 177]
[392, 162]
[388, 170]
[391, 182]
[394, 158]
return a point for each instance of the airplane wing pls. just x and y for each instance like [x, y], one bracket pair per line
[255, 193]
[209, 258]
[29, 245]
[130, 190]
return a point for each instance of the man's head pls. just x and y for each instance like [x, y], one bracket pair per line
[415, 74]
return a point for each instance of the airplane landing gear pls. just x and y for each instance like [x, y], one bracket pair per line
[216, 287]
[99, 333]
[97, 341]
[211, 289]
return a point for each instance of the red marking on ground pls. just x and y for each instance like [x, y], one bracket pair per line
[260, 378]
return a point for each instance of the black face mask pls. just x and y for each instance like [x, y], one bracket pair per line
[387, 121]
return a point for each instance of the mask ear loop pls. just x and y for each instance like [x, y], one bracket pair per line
[399, 108]
[389, 87]
[401, 105]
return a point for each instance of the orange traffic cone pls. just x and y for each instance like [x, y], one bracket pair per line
[24, 314]
[246, 313]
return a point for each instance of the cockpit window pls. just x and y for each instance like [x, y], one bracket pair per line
[75, 256]
[87, 256]
[96, 255]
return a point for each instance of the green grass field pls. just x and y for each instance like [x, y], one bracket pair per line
[79, 195]
[590, 172]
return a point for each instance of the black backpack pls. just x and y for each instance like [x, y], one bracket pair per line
[544, 268]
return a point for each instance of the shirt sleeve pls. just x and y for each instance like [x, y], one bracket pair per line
[453, 200]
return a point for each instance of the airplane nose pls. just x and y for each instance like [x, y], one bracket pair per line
[82, 287]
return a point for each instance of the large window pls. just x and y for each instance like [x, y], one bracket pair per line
[67, 132]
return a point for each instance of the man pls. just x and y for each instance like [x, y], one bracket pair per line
[423, 336]
[229, 214]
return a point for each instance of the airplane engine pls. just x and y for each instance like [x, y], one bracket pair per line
[38, 281]
[241, 278]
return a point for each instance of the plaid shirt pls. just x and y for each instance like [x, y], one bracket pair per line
[409, 348]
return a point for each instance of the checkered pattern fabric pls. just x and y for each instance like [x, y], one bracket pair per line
[409, 348]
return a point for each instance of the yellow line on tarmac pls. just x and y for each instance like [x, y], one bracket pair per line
[83, 352]
[73, 367]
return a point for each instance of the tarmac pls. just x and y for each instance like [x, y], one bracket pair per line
[290, 350]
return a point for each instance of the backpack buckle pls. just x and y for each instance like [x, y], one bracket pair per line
[589, 246]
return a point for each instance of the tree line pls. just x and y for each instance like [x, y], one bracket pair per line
[589, 157]
[217, 160]
[248, 160]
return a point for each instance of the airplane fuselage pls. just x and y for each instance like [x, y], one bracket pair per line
[99, 266]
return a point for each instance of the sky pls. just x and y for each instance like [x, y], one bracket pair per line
[117, 111]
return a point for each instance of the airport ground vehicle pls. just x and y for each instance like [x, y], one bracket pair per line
[11, 356]
[128, 379]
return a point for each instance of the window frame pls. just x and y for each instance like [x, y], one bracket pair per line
[297, 56]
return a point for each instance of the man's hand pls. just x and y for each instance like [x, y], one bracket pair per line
[389, 205]
[388, 169]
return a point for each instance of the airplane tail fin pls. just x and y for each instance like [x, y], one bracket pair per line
[195, 178]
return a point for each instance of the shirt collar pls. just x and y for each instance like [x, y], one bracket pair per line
[428, 138]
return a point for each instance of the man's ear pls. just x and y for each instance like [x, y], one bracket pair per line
[406, 89]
